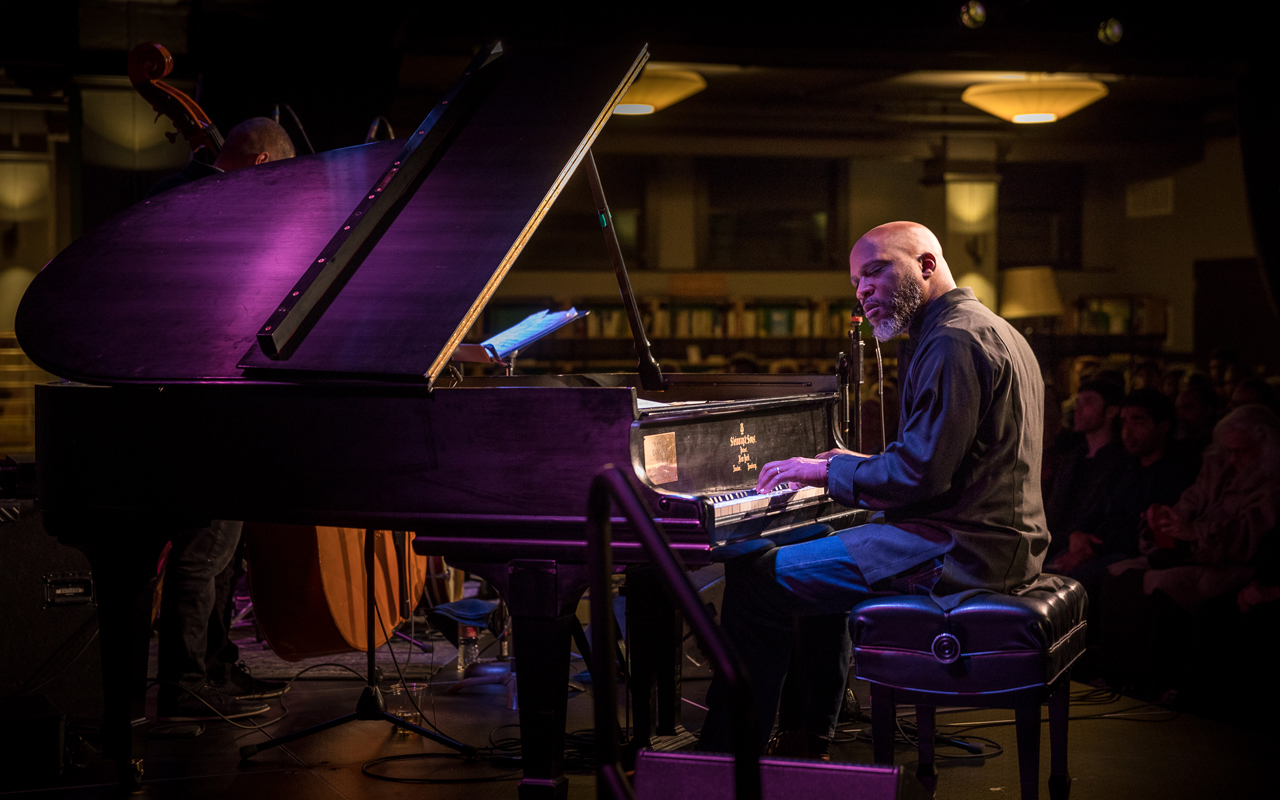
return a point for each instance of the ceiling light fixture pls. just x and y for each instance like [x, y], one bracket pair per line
[973, 14]
[1034, 99]
[658, 88]
[1111, 31]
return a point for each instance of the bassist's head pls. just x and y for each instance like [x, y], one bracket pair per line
[257, 140]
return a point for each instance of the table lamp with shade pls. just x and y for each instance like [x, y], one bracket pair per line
[1030, 296]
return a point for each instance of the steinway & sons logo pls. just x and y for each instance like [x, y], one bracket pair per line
[741, 441]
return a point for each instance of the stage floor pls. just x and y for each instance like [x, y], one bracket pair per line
[1119, 748]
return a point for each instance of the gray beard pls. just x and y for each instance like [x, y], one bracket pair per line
[902, 307]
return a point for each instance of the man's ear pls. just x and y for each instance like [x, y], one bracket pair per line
[928, 264]
[261, 158]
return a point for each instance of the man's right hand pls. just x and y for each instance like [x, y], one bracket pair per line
[802, 471]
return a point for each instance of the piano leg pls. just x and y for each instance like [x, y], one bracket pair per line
[122, 574]
[655, 629]
[542, 597]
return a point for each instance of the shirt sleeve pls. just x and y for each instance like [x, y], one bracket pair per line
[946, 392]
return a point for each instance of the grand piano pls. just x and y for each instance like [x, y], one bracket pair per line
[273, 345]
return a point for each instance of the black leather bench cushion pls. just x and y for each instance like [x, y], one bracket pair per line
[1006, 642]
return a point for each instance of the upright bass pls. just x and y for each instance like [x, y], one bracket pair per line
[307, 582]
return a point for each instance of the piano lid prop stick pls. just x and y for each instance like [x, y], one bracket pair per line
[377, 208]
[650, 373]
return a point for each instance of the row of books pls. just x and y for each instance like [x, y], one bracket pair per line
[716, 322]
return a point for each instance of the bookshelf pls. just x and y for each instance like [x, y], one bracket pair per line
[687, 334]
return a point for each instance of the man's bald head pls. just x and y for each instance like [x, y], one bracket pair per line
[257, 140]
[896, 269]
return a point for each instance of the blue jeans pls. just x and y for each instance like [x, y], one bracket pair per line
[806, 589]
[816, 581]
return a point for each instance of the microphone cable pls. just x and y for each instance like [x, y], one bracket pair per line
[884, 434]
[379, 121]
[275, 115]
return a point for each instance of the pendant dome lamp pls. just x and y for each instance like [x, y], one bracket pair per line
[659, 87]
[1035, 99]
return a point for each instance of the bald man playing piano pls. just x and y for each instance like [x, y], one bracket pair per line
[957, 496]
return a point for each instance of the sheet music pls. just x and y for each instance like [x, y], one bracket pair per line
[530, 329]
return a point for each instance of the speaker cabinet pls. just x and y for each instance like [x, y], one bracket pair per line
[48, 619]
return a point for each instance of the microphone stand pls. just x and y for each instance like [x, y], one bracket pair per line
[854, 381]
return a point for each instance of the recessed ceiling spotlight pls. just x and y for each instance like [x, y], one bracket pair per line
[1109, 32]
[973, 14]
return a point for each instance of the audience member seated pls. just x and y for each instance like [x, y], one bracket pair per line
[1225, 370]
[1197, 409]
[1084, 480]
[1255, 390]
[1150, 475]
[1083, 370]
[1146, 375]
[1201, 547]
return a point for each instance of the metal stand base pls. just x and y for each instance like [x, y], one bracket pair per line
[370, 706]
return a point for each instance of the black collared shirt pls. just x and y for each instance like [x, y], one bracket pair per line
[963, 478]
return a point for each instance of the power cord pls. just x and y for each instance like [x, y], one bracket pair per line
[35, 682]
[908, 734]
[252, 726]
[400, 674]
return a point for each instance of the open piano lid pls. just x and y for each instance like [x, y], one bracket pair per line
[177, 288]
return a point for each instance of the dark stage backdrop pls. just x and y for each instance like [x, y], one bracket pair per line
[1234, 310]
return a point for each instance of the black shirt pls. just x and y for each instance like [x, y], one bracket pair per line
[963, 478]
[1136, 488]
[1081, 490]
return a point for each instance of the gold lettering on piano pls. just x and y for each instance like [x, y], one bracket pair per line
[660, 458]
[744, 455]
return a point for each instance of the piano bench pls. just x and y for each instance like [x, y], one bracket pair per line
[992, 651]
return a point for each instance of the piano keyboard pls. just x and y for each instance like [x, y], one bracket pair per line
[745, 501]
